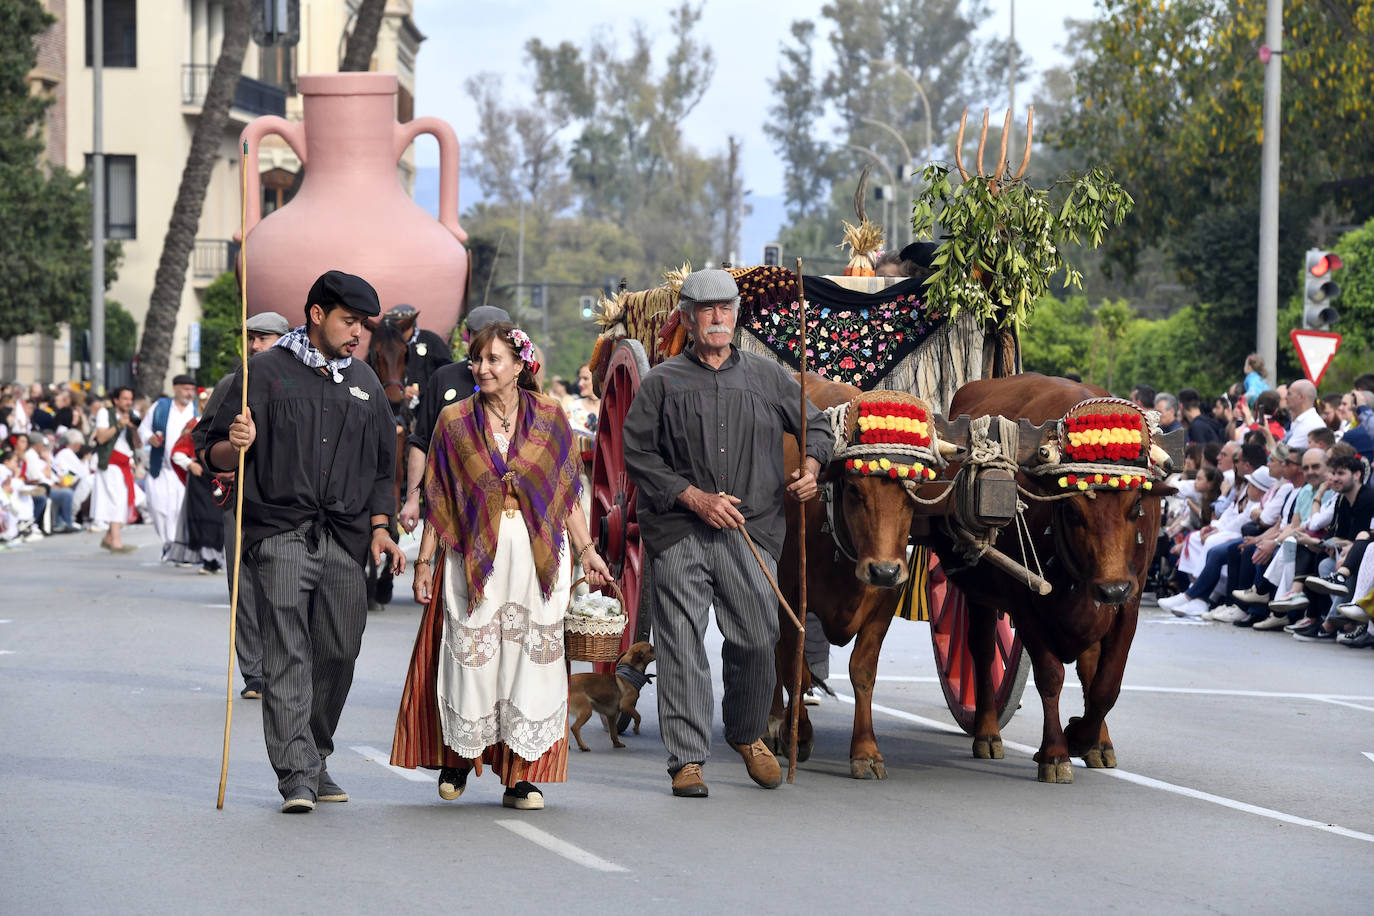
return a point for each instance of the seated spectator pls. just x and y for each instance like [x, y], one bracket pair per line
[1250, 590]
[1302, 406]
[19, 515]
[1144, 396]
[73, 466]
[1322, 438]
[1204, 552]
[1329, 407]
[1354, 512]
[1167, 405]
[1202, 427]
[39, 472]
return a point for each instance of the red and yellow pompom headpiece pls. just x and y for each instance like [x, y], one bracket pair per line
[889, 434]
[1106, 431]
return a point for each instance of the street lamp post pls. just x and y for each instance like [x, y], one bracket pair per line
[890, 177]
[907, 164]
[925, 100]
[97, 352]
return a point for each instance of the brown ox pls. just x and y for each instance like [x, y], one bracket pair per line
[1099, 550]
[878, 516]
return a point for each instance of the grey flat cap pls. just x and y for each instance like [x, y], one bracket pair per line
[267, 323]
[709, 286]
[484, 315]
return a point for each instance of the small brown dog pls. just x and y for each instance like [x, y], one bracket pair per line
[610, 695]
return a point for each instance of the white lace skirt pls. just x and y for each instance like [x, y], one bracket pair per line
[502, 677]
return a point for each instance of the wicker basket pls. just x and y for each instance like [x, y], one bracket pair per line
[593, 639]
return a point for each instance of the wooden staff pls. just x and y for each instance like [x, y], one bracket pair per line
[800, 660]
[238, 477]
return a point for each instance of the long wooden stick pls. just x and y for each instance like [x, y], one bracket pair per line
[800, 659]
[238, 479]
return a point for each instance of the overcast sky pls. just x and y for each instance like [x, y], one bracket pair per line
[488, 35]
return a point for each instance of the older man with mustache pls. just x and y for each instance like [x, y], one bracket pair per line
[703, 442]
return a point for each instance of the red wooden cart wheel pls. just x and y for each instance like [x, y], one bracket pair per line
[954, 663]
[615, 524]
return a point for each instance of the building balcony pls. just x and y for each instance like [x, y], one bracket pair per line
[253, 97]
[212, 257]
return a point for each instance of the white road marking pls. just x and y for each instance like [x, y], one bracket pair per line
[1336, 698]
[6, 621]
[222, 607]
[1178, 622]
[1349, 705]
[559, 847]
[1146, 781]
[380, 758]
[1369, 755]
[7, 652]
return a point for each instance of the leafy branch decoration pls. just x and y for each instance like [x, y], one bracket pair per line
[1003, 239]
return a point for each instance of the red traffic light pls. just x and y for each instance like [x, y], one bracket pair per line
[1325, 264]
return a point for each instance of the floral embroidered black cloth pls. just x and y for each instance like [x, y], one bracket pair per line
[855, 338]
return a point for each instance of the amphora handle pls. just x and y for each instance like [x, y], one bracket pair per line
[448, 166]
[294, 135]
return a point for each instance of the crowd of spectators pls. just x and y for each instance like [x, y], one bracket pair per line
[1272, 518]
[49, 462]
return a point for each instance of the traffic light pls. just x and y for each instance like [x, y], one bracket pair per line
[588, 304]
[537, 298]
[772, 255]
[1320, 291]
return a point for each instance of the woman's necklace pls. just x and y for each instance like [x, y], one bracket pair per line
[505, 418]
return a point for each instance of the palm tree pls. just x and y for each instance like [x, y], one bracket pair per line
[160, 324]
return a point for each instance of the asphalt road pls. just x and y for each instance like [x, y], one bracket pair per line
[1244, 784]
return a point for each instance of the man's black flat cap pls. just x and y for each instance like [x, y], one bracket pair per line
[353, 293]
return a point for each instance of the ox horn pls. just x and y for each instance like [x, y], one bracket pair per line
[1162, 459]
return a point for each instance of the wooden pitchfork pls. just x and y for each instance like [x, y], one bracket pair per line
[1003, 166]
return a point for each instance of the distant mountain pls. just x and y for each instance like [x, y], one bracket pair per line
[760, 227]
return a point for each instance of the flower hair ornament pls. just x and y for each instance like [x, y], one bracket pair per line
[521, 343]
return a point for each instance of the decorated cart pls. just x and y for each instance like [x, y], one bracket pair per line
[1003, 244]
[869, 332]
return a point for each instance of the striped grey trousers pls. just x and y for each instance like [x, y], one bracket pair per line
[704, 569]
[312, 607]
[247, 633]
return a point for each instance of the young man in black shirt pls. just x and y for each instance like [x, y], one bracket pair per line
[317, 498]
[1353, 515]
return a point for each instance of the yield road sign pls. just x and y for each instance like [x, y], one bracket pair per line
[1315, 349]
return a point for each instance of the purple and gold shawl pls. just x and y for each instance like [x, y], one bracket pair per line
[465, 489]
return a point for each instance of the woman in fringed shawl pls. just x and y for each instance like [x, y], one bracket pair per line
[488, 681]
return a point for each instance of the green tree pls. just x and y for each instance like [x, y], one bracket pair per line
[220, 340]
[121, 332]
[868, 92]
[626, 196]
[1170, 96]
[45, 249]
[1058, 338]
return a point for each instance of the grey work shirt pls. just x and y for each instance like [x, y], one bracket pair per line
[720, 430]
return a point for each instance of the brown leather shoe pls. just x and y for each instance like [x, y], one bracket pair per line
[687, 782]
[762, 765]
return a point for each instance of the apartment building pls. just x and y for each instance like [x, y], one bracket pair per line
[158, 58]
